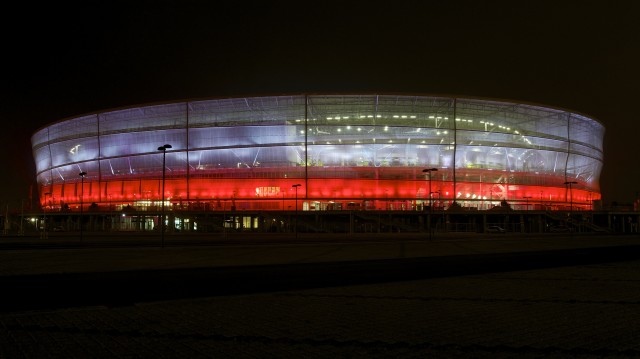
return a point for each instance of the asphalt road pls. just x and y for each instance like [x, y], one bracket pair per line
[127, 287]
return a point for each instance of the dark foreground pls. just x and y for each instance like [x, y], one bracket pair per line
[564, 297]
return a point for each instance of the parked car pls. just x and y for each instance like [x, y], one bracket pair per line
[495, 229]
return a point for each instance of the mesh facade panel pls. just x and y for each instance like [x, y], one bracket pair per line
[355, 147]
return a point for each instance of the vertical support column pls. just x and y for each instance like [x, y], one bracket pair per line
[188, 164]
[306, 149]
[455, 147]
[99, 161]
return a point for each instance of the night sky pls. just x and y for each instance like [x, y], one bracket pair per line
[65, 60]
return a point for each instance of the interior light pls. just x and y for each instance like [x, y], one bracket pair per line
[413, 116]
[395, 116]
[329, 118]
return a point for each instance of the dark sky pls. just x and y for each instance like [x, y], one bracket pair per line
[64, 60]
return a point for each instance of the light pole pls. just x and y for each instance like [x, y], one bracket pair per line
[428, 171]
[164, 157]
[295, 226]
[44, 210]
[527, 205]
[569, 183]
[81, 174]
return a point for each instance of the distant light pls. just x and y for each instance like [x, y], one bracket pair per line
[329, 118]
[348, 127]
[413, 116]
[395, 116]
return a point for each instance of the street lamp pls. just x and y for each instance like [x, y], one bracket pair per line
[569, 183]
[527, 205]
[428, 171]
[82, 175]
[164, 157]
[295, 228]
[44, 210]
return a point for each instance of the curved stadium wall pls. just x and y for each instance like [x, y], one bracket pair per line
[346, 152]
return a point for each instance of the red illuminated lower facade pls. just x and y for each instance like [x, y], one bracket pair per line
[371, 189]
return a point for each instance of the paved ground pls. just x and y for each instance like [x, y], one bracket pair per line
[490, 298]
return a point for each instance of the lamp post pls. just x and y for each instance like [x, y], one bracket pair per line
[527, 199]
[164, 157]
[44, 210]
[428, 171]
[295, 226]
[82, 175]
[569, 183]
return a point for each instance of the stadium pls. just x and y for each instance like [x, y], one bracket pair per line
[321, 152]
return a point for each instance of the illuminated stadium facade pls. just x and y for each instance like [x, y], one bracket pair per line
[356, 152]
